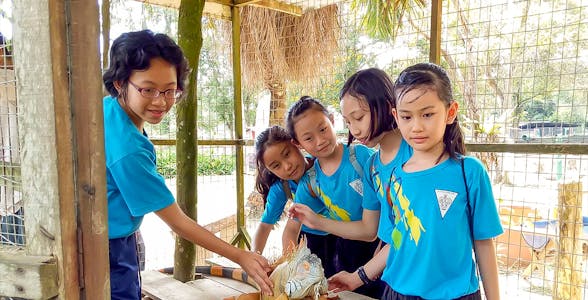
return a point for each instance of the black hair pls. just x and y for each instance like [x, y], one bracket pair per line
[264, 178]
[134, 51]
[299, 107]
[434, 77]
[374, 87]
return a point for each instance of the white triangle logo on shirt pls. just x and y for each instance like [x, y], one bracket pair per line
[357, 185]
[445, 199]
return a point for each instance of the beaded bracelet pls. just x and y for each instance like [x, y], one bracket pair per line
[363, 276]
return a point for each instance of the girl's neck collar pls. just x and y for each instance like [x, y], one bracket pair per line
[390, 141]
[427, 159]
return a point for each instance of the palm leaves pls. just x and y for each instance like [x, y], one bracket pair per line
[382, 18]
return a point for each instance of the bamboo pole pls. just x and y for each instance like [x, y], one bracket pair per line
[242, 239]
[435, 42]
[190, 40]
[568, 275]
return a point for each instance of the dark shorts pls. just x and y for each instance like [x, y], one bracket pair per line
[124, 269]
[390, 294]
[354, 254]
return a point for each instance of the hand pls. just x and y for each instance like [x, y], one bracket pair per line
[304, 214]
[257, 267]
[344, 281]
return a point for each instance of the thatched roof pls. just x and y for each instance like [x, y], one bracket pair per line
[222, 7]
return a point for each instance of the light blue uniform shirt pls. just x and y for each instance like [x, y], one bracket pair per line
[134, 188]
[342, 192]
[276, 201]
[431, 248]
[376, 187]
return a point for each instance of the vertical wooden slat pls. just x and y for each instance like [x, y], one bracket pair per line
[69, 286]
[435, 46]
[86, 98]
[242, 239]
[568, 275]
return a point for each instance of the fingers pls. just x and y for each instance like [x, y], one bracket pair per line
[264, 283]
[260, 274]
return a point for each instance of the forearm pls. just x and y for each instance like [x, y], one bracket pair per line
[290, 234]
[354, 230]
[375, 266]
[261, 235]
[365, 229]
[486, 259]
[190, 230]
[373, 269]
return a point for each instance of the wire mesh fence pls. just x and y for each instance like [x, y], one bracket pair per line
[519, 72]
[11, 211]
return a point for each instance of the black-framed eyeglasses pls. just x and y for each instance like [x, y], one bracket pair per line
[170, 94]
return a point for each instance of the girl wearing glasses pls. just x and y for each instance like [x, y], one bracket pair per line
[442, 200]
[146, 77]
[366, 105]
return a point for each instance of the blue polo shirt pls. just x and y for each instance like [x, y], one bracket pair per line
[134, 187]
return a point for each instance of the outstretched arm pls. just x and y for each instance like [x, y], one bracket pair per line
[364, 230]
[261, 235]
[486, 258]
[290, 234]
[255, 265]
[345, 281]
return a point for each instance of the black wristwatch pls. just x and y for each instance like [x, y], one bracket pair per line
[363, 276]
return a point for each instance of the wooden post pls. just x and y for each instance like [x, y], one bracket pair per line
[62, 157]
[435, 42]
[190, 40]
[568, 276]
[90, 172]
[242, 238]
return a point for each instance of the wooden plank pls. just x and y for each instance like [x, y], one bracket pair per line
[69, 286]
[30, 277]
[244, 2]
[435, 42]
[216, 8]
[160, 286]
[529, 148]
[347, 295]
[238, 286]
[291, 9]
[90, 180]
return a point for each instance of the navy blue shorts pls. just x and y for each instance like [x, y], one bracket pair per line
[353, 254]
[125, 282]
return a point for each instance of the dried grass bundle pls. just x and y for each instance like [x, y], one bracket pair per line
[277, 47]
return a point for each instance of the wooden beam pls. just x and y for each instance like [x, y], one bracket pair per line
[435, 43]
[30, 277]
[581, 149]
[212, 7]
[90, 180]
[217, 8]
[70, 285]
[280, 6]
[245, 2]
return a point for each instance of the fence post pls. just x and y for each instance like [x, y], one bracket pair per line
[568, 274]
